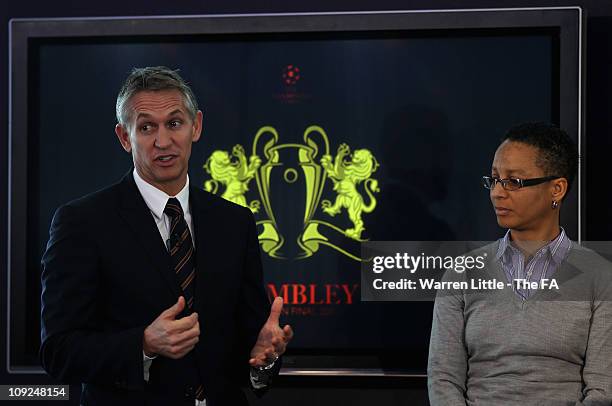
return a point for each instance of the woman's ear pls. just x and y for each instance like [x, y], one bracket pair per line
[559, 189]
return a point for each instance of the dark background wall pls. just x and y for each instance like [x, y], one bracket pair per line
[322, 390]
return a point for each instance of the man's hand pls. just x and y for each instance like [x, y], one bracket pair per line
[272, 340]
[170, 337]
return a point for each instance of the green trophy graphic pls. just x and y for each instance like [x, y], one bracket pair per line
[346, 171]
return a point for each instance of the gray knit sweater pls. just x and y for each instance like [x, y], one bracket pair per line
[555, 348]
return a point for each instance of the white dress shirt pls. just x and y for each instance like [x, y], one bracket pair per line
[156, 201]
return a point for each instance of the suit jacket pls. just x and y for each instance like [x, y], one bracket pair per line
[106, 275]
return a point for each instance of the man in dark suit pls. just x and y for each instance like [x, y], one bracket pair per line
[152, 289]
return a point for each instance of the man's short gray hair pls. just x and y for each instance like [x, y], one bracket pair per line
[153, 79]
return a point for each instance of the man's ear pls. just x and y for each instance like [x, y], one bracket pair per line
[124, 137]
[197, 127]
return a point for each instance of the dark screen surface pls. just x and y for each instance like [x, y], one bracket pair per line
[429, 109]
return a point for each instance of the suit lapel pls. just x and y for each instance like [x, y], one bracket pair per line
[205, 246]
[137, 215]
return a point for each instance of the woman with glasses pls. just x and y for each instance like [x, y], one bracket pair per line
[522, 345]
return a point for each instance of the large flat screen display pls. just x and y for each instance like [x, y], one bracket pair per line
[333, 129]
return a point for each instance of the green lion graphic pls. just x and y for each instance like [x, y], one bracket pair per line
[235, 174]
[346, 174]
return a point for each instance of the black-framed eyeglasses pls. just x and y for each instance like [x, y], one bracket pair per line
[489, 182]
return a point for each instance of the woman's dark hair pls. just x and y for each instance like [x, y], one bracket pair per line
[557, 153]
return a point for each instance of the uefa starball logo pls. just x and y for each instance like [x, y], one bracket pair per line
[291, 78]
[291, 75]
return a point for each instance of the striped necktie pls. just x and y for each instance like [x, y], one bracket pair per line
[180, 248]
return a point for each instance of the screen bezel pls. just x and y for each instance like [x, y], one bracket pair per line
[568, 21]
